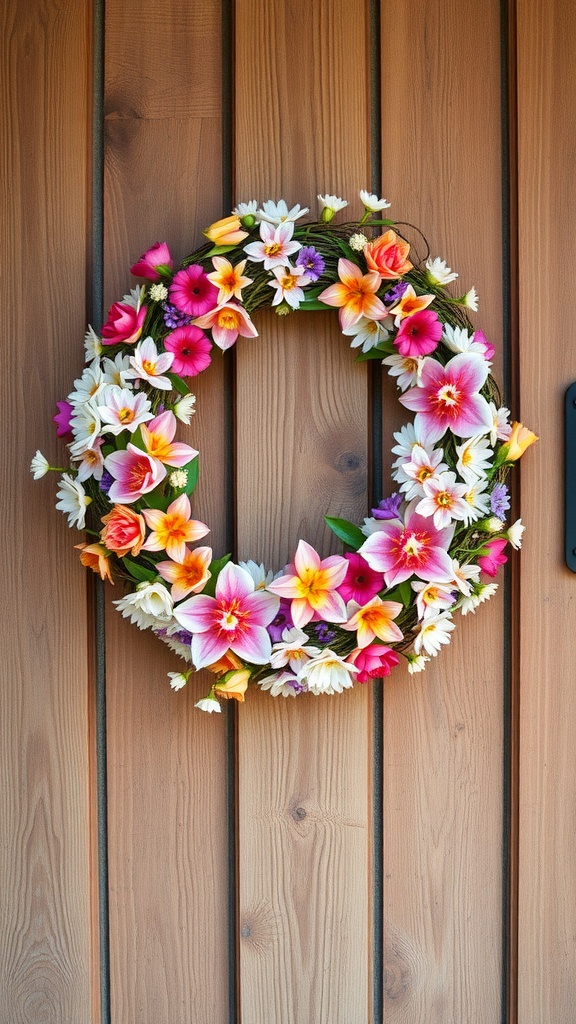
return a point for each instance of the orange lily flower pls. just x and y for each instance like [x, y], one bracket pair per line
[374, 621]
[228, 279]
[189, 575]
[411, 303]
[355, 294]
[520, 439]
[227, 231]
[95, 557]
[173, 529]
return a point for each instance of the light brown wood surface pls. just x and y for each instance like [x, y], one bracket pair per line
[547, 232]
[45, 938]
[166, 761]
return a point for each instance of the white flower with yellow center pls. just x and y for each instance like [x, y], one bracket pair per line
[328, 673]
[371, 203]
[407, 370]
[433, 633]
[482, 592]
[474, 458]
[366, 333]
[294, 650]
[150, 605]
[73, 500]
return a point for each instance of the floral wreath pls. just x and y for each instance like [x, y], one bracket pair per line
[318, 625]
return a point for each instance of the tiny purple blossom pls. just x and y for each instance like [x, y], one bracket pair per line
[324, 633]
[282, 621]
[106, 482]
[389, 508]
[499, 500]
[311, 262]
[395, 293]
[174, 317]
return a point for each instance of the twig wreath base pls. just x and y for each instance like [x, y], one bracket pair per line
[430, 549]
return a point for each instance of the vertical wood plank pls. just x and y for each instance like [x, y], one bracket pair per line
[443, 728]
[547, 229]
[166, 769]
[302, 127]
[45, 69]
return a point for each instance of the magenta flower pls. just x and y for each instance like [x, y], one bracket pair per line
[191, 350]
[448, 397]
[413, 548]
[492, 557]
[135, 473]
[480, 338]
[419, 334]
[361, 583]
[155, 263]
[235, 619]
[62, 419]
[192, 292]
[124, 324]
[373, 662]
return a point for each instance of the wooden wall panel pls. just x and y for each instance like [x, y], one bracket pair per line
[45, 938]
[443, 728]
[168, 829]
[302, 127]
[547, 230]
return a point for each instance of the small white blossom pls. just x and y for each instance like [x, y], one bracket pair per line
[158, 292]
[184, 409]
[407, 370]
[246, 209]
[278, 213]
[328, 673]
[39, 465]
[501, 428]
[417, 663]
[282, 684]
[135, 297]
[329, 205]
[115, 370]
[433, 633]
[178, 479]
[357, 241]
[73, 500]
[366, 333]
[177, 680]
[150, 605]
[514, 534]
[371, 203]
[261, 576]
[208, 704]
[482, 592]
[93, 345]
[470, 300]
[438, 272]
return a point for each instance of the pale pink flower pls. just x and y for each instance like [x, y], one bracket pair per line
[422, 465]
[312, 584]
[150, 365]
[157, 437]
[135, 473]
[443, 500]
[226, 322]
[289, 284]
[275, 247]
[432, 597]
[123, 409]
[235, 619]
[449, 398]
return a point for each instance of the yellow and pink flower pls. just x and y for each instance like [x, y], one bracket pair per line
[173, 529]
[387, 256]
[312, 585]
[226, 322]
[374, 621]
[355, 294]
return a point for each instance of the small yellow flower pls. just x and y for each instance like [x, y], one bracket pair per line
[227, 231]
[520, 439]
[235, 684]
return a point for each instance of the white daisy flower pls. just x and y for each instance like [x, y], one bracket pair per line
[433, 633]
[438, 272]
[88, 385]
[474, 458]
[184, 408]
[278, 213]
[501, 428]
[478, 501]
[371, 203]
[328, 673]
[470, 300]
[86, 426]
[457, 339]
[416, 663]
[282, 684]
[73, 500]
[482, 592]
[366, 333]
[135, 297]
[178, 680]
[39, 465]
[514, 534]
[246, 209]
[92, 345]
[123, 409]
[294, 650]
[209, 704]
[407, 370]
[114, 371]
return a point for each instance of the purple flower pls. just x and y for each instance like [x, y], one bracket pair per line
[106, 482]
[62, 419]
[395, 293]
[389, 508]
[324, 633]
[282, 621]
[311, 262]
[499, 500]
[174, 318]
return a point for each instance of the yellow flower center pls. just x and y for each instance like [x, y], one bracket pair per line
[126, 415]
[228, 320]
[273, 248]
[149, 367]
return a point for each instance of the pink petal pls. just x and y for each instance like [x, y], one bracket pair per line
[306, 558]
[233, 583]
[255, 645]
[301, 612]
[263, 607]
[330, 606]
[208, 648]
[197, 613]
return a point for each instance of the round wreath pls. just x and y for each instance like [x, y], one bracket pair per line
[428, 550]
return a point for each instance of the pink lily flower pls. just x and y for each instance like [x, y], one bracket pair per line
[235, 619]
[124, 324]
[355, 293]
[312, 585]
[276, 245]
[226, 322]
[492, 556]
[413, 548]
[135, 473]
[157, 439]
[155, 263]
[449, 399]
[360, 583]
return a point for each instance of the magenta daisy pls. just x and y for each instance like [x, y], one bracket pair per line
[191, 349]
[449, 399]
[192, 292]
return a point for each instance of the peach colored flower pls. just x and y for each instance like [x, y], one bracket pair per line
[173, 529]
[355, 293]
[234, 685]
[95, 557]
[189, 574]
[387, 256]
[227, 231]
[312, 584]
[226, 322]
[373, 621]
[124, 531]
[520, 439]
[228, 279]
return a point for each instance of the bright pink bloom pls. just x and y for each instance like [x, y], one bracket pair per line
[492, 556]
[312, 585]
[157, 437]
[155, 263]
[226, 322]
[235, 619]
[414, 548]
[124, 324]
[192, 292]
[419, 334]
[62, 419]
[191, 350]
[449, 398]
[373, 662]
[360, 583]
[135, 473]
[487, 346]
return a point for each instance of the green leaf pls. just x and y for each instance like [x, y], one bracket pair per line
[193, 470]
[215, 568]
[307, 305]
[178, 384]
[217, 250]
[139, 572]
[401, 593]
[378, 352]
[351, 535]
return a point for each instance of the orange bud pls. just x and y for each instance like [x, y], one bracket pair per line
[226, 663]
[95, 557]
[227, 231]
[520, 439]
[235, 684]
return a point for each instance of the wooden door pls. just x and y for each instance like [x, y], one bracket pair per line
[400, 853]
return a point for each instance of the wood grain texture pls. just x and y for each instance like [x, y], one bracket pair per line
[302, 127]
[44, 845]
[168, 834]
[547, 229]
[443, 729]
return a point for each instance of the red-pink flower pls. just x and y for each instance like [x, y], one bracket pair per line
[373, 662]
[487, 346]
[191, 350]
[413, 548]
[419, 334]
[492, 556]
[62, 419]
[360, 583]
[155, 263]
[124, 324]
[449, 399]
[135, 473]
[192, 292]
[235, 619]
